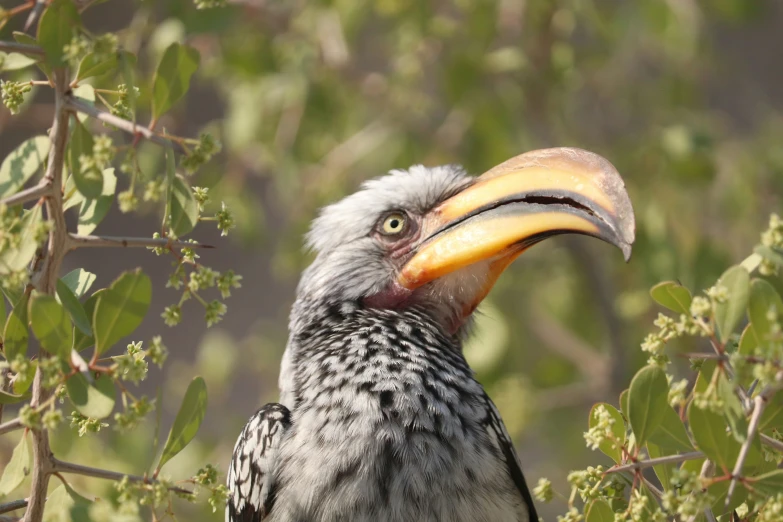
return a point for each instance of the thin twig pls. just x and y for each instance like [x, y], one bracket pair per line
[759, 403]
[769, 441]
[77, 241]
[13, 505]
[648, 463]
[29, 194]
[9, 426]
[68, 467]
[39, 7]
[80, 105]
[14, 47]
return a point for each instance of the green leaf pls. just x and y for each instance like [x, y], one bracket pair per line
[624, 402]
[86, 93]
[736, 280]
[95, 65]
[57, 26]
[74, 308]
[673, 296]
[11, 398]
[17, 468]
[718, 491]
[618, 429]
[709, 432]
[24, 380]
[749, 341]
[599, 511]
[87, 181]
[25, 38]
[763, 300]
[188, 420]
[771, 255]
[50, 324]
[94, 400]
[121, 308]
[14, 61]
[22, 163]
[671, 435]
[15, 332]
[172, 78]
[772, 418]
[93, 211]
[647, 402]
[80, 340]
[184, 208]
[768, 484]
[662, 471]
[732, 409]
[79, 281]
[66, 505]
[15, 259]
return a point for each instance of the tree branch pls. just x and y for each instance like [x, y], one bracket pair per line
[14, 47]
[77, 241]
[77, 104]
[12, 425]
[30, 194]
[769, 441]
[68, 467]
[759, 403]
[13, 505]
[45, 279]
[648, 463]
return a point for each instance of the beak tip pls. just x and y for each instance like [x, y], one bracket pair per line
[626, 248]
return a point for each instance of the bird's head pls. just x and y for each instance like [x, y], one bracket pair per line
[438, 238]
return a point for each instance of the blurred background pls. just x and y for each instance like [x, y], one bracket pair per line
[309, 98]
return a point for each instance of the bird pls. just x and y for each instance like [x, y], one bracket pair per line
[380, 416]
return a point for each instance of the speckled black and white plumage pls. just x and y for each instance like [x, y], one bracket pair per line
[381, 417]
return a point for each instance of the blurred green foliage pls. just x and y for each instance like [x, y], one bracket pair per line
[309, 98]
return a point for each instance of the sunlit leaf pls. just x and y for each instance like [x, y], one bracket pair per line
[647, 402]
[15, 259]
[121, 308]
[673, 296]
[188, 420]
[17, 468]
[611, 449]
[772, 418]
[22, 163]
[183, 206]
[749, 341]
[732, 409]
[92, 211]
[14, 61]
[74, 308]
[88, 181]
[24, 38]
[56, 28]
[79, 281]
[66, 505]
[172, 78]
[736, 281]
[50, 324]
[94, 400]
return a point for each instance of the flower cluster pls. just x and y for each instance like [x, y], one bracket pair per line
[209, 4]
[86, 425]
[13, 94]
[207, 147]
[123, 106]
[136, 411]
[602, 430]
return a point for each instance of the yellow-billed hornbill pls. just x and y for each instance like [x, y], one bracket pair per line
[380, 418]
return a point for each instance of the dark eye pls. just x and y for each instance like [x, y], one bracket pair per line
[393, 224]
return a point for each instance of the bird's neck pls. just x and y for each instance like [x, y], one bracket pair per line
[344, 340]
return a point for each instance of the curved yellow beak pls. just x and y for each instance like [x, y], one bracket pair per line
[517, 204]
